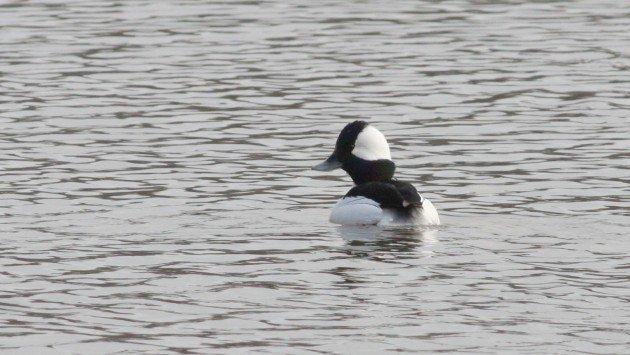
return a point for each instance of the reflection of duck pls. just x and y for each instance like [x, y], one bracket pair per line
[369, 239]
[362, 151]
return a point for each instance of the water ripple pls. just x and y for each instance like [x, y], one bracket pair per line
[157, 195]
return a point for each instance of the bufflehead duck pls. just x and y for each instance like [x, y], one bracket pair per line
[378, 198]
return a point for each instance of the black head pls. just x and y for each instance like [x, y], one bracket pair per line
[347, 139]
[362, 151]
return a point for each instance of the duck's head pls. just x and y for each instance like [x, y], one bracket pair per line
[362, 151]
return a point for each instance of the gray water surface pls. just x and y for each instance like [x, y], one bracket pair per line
[157, 197]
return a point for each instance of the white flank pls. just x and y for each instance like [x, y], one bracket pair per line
[371, 145]
[360, 210]
[356, 210]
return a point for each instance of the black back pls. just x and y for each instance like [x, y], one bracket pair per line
[390, 194]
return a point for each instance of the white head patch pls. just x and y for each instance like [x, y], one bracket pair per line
[371, 145]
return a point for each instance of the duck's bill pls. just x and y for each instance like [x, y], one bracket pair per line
[329, 164]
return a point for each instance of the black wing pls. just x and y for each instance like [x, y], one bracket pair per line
[408, 192]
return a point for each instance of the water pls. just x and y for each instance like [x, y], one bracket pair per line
[157, 197]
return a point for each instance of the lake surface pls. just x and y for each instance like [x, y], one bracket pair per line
[157, 196]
